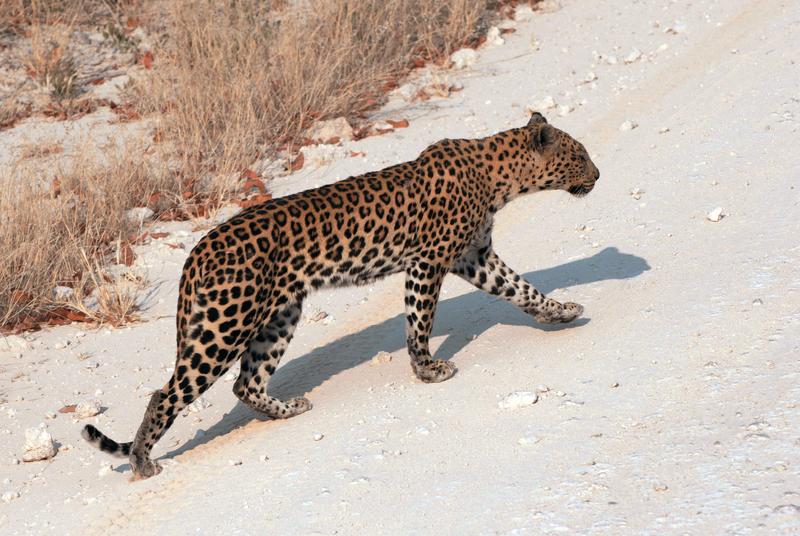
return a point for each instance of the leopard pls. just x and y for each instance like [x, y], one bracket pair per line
[243, 285]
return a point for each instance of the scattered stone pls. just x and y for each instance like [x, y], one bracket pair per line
[636, 193]
[317, 156]
[663, 130]
[263, 458]
[560, 393]
[527, 441]
[715, 215]
[615, 385]
[139, 214]
[234, 462]
[316, 317]
[675, 29]
[324, 131]
[564, 109]
[523, 13]
[463, 58]
[381, 358]
[546, 103]
[493, 37]
[758, 302]
[634, 56]
[628, 125]
[591, 76]
[63, 294]
[197, 406]
[39, 445]
[548, 6]
[660, 487]
[13, 343]
[87, 408]
[60, 345]
[9, 496]
[518, 399]
[318, 436]
[611, 59]
[330, 319]
[105, 468]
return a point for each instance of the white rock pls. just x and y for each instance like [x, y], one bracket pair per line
[105, 468]
[529, 440]
[564, 109]
[518, 399]
[493, 37]
[87, 408]
[318, 436]
[60, 345]
[263, 458]
[548, 6]
[38, 445]
[9, 496]
[197, 406]
[13, 343]
[663, 130]
[560, 393]
[628, 125]
[546, 103]
[139, 214]
[62, 294]
[611, 59]
[322, 131]
[715, 215]
[524, 12]
[316, 156]
[591, 76]
[463, 58]
[382, 358]
[636, 193]
[634, 56]
[234, 462]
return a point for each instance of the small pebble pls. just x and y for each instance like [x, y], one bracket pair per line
[663, 130]
[628, 125]
[234, 462]
[615, 385]
[634, 56]
[518, 399]
[9, 496]
[105, 468]
[318, 436]
[263, 458]
[87, 408]
[715, 215]
[381, 358]
[527, 441]
[564, 109]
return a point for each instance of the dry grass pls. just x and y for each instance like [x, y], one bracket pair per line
[61, 232]
[232, 81]
[237, 81]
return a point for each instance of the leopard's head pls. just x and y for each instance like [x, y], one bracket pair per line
[556, 160]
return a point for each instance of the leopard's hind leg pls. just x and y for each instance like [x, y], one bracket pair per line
[219, 328]
[262, 358]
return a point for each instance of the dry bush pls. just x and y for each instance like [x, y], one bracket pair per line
[239, 78]
[18, 15]
[57, 233]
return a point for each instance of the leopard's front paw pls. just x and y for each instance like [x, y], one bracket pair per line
[437, 371]
[553, 312]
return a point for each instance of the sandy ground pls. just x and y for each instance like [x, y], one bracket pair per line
[670, 407]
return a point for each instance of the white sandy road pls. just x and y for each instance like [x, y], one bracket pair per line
[680, 388]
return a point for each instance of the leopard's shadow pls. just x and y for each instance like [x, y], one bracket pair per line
[458, 318]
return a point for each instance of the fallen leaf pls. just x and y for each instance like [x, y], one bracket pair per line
[400, 123]
[153, 198]
[297, 163]
[255, 200]
[249, 174]
[56, 187]
[504, 31]
[256, 183]
[20, 296]
[68, 409]
[125, 254]
[356, 153]
[332, 141]
[147, 60]
[159, 235]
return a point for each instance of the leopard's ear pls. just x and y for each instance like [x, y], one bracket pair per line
[542, 136]
[536, 118]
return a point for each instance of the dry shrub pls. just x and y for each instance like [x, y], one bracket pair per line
[18, 15]
[239, 78]
[57, 233]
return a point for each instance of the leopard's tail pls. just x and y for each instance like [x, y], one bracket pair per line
[104, 443]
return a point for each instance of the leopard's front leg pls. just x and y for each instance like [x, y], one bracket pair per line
[483, 268]
[423, 283]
